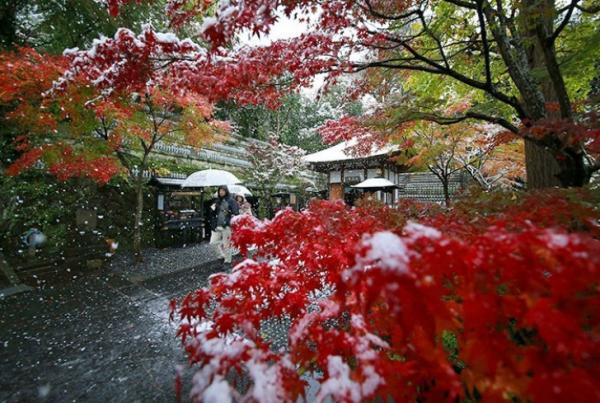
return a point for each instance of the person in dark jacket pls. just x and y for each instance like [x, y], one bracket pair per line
[223, 210]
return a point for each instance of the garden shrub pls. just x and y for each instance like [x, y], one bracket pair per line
[462, 305]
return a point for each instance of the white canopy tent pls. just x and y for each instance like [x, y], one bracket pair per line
[374, 184]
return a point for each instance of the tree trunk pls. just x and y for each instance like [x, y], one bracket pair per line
[269, 213]
[548, 168]
[531, 61]
[138, 216]
[444, 176]
[8, 271]
[541, 166]
[8, 23]
[263, 207]
[445, 185]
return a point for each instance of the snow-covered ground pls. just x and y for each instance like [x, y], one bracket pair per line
[98, 337]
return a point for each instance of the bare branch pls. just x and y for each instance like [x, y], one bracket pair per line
[570, 8]
[438, 68]
[434, 67]
[440, 48]
[484, 41]
[449, 120]
[435, 171]
[463, 4]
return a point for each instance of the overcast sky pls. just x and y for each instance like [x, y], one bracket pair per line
[284, 28]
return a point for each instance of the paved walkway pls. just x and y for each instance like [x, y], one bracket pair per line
[159, 262]
[101, 337]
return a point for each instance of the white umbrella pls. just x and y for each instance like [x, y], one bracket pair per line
[239, 190]
[210, 177]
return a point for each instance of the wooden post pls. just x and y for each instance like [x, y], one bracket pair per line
[15, 284]
[10, 274]
[202, 218]
[342, 185]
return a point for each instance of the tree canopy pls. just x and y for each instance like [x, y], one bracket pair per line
[515, 61]
[55, 25]
[295, 120]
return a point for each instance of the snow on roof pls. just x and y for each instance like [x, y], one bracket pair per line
[340, 152]
[375, 183]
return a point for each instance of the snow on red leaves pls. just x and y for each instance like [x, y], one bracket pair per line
[379, 305]
[139, 62]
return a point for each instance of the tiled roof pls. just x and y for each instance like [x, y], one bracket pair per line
[425, 186]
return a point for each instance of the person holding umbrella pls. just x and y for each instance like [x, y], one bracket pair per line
[224, 208]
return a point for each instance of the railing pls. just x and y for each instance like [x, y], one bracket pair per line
[215, 156]
[148, 173]
[173, 149]
[230, 149]
[202, 154]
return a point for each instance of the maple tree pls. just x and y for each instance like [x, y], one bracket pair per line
[28, 121]
[443, 151]
[78, 132]
[460, 305]
[48, 130]
[508, 53]
[487, 153]
[135, 128]
[352, 128]
[503, 167]
[52, 26]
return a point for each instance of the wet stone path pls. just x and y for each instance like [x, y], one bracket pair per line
[100, 337]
